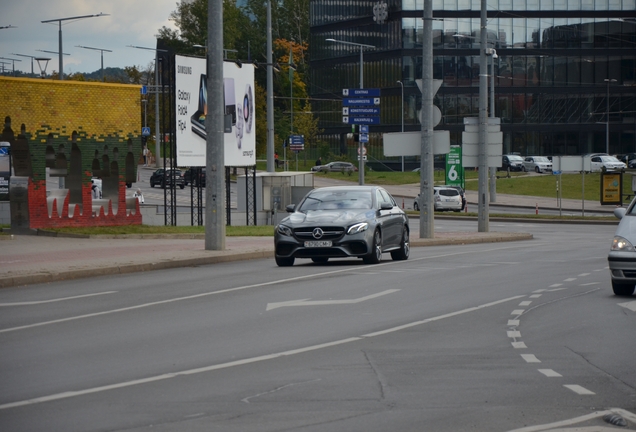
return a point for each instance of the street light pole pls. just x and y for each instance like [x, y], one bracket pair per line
[31, 57]
[493, 170]
[102, 55]
[402, 88]
[270, 93]
[157, 90]
[361, 144]
[608, 81]
[59, 21]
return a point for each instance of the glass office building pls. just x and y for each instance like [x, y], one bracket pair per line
[564, 73]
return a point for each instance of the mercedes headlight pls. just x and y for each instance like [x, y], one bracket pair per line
[284, 230]
[621, 244]
[358, 228]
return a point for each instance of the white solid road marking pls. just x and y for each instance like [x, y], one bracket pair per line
[569, 279]
[584, 274]
[274, 282]
[37, 302]
[578, 389]
[556, 285]
[307, 302]
[562, 425]
[535, 296]
[530, 358]
[589, 283]
[629, 305]
[550, 373]
[210, 368]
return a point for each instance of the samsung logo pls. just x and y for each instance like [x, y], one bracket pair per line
[187, 70]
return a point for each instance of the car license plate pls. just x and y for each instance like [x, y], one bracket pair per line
[318, 243]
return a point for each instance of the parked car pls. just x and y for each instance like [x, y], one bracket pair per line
[537, 163]
[628, 159]
[512, 163]
[190, 177]
[342, 222]
[444, 198]
[335, 167]
[462, 193]
[163, 178]
[610, 163]
[622, 255]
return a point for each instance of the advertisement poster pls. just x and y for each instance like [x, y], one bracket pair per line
[191, 110]
[611, 188]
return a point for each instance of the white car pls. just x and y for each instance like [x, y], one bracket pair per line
[622, 255]
[537, 163]
[609, 162]
[445, 198]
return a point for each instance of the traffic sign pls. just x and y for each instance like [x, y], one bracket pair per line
[297, 139]
[144, 89]
[361, 92]
[361, 120]
[145, 131]
[556, 172]
[364, 129]
[360, 101]
[364, 138]
[360, 111]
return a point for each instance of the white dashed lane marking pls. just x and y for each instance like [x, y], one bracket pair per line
[517, 312]
[525, 303]
[530, 358]
[569, 279]
[578, 389]
[550, 373]
[519, 345]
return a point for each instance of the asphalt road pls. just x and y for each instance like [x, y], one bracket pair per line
[493, 337]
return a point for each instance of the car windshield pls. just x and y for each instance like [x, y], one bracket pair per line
[515, 158]
[609, 159]
[541, 159]
[331, 200]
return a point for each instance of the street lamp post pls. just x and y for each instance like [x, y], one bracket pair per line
[59, 21]
[361, 147]
[31, 57]
[608, 81]
[402, 86]
[157, 88]
[13, 60]
[102, 55]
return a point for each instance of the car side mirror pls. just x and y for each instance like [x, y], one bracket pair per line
[291, 208]
[619, 212]
[386, 206]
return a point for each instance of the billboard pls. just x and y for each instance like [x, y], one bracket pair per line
[191, 109]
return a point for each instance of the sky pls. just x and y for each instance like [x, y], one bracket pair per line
[130, 22]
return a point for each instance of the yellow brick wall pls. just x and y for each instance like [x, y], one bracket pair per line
[96, 110]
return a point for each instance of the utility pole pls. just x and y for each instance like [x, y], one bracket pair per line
[214, 126]
[427, 178]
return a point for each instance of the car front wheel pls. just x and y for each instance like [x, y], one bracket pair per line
[405, 248]
[375, 256]
[537, 169]
[622, 289]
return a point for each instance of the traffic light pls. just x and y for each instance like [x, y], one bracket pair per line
[356, 135]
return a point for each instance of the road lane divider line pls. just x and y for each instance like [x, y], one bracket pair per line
[550, 373]
[579, 389]
[530, 358]
[37, 302]
[241, 362]
[240, 288]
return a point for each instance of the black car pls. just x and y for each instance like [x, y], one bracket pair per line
[190, 176]
[512, 162]
[164, 178]
[341, 222]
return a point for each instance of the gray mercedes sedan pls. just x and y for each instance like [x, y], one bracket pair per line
[343, 222]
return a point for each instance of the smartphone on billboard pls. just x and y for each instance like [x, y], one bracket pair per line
[198, 118]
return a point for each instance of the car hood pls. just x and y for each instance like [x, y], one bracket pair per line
[340, 217]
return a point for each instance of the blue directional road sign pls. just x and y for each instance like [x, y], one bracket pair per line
[297, 139]
[364, 138]
[364, 129]
[358, 102]
[358, 92]
[361, 110]
[361, 120]
[144, 90]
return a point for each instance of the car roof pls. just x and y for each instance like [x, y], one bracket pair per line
[348, 188]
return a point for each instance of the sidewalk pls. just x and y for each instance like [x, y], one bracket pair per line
[31, 259]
